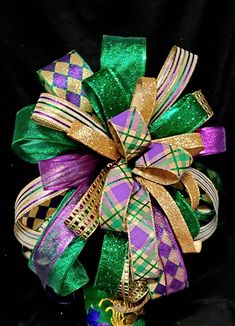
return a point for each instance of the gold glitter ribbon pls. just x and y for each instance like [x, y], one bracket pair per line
[190, 142]
[174, 215]
[144, 97]
[94, 140]
[192, 188]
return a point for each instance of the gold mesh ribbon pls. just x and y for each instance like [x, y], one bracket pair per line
[84, 220]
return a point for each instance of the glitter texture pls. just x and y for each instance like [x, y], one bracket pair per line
[127, 55]
[192, 189]
[94, 140]
[184, 116]
[144, 97]
[113, 256]
[192, 142]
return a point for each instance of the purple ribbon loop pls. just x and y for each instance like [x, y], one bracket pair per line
[214, 140]
[67, 171]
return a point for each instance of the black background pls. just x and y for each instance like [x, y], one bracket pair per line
[34, 34]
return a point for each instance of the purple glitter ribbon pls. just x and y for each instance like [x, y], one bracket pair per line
[56, 173]
[214, 140]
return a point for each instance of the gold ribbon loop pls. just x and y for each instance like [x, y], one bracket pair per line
[84, 219]
[144, 98]
[192, 188]
[94, 140]
[190, 142]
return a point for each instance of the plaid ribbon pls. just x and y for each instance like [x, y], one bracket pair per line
[143, 243]
[130, 132]
[168, 163]
[116, 195]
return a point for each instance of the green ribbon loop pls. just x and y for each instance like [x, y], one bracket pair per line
[186, 115]
[32, 142]
[111, 264]
[123, 61]
[68, 274]
[102, 89]
[127, 55]
[189, 215]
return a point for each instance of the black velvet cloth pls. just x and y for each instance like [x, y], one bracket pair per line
[34, 34]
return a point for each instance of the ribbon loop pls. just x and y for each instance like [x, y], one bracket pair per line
[67, 171]
[56, 113]
[173, 275]
[98, 142]
[174, 215]
[173, 78]
[63, 78]
[144, 97]
[127, 55]
[163, 164]
[186, 115]
[32, 142]
[106, 94]
[190, 142]
[214, 140]
[115, 198]
[84, 219]
[130, 133]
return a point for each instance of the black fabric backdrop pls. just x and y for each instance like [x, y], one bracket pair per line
[35, 33]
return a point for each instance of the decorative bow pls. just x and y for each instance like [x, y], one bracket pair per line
[145, 187]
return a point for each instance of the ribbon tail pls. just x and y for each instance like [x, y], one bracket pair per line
[173, 276]
[141, 231]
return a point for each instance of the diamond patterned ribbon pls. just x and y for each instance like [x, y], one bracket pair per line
[173, 276]
[63, 78]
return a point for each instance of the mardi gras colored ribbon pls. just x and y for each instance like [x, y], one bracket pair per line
[146, 199]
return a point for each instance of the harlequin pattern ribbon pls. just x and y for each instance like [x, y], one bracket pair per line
[150, 140]
[63, 78]
[173, 276]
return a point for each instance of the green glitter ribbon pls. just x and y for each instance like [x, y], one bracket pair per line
[127, 55]
[102, 89]
[187, 212]
[32, 142]
[186, 115]
[111, 264]
[123, 61]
